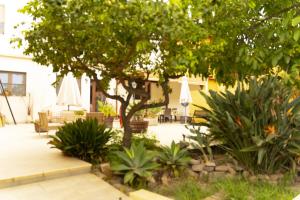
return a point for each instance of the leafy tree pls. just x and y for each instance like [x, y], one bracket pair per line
[249, 37]
[134, 40]
[129, 41]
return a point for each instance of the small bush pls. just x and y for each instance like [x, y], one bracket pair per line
[258, 124]
[136, 164]
[106, 108]
[150, 142]
[173, 159]
[85, 139]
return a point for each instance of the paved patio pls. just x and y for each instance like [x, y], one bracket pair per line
[24, 153]
[30, 169]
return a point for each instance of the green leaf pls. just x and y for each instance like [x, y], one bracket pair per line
[296, 21]
[276, 59]
[128, 178]
[251, 4]
[296, 35]
[260, 156]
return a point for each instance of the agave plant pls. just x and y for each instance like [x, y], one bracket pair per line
[136, 164]
[174, 159]
[85, 139]
[257, 124]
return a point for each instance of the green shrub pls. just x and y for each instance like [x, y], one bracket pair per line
[79, 112]
[173, 159]
[258, 124]
[136, 164]
[85, 139]
[107, 109]
[202, 141]
[150, 142]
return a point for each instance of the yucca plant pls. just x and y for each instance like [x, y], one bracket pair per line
[85, 139]
[174, 159]
[136, 164]
[258, 124]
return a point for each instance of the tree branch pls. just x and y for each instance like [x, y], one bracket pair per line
[280, 12]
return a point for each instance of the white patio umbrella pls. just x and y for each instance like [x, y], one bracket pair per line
[69, 94]
[185, 95]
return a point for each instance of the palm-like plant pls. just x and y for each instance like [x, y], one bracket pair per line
[174, 159]
[85, 139]
[258, 124]
[136, 164]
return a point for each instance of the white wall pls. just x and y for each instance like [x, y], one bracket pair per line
[12, 18]
[39, 91]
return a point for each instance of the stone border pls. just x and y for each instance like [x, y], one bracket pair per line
[146, 195]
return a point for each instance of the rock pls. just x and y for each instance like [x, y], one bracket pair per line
[252, 178]
[165, 180]
[100, 175]
[203, 175]
[217, 175]
[246, 174]
[195, 162]
[191, 173]
[105, 169]
[221, 168]
[263, 177]
[276, 177]
[231, 171]
[209, 166]
[239, 168]
[197, 168]
[229, 175]
[115, 180]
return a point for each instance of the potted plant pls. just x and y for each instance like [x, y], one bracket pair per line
[138, 124]
[109, 113]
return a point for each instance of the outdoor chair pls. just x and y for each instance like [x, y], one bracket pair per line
[43, 125]
[167, 116]
[96, 115]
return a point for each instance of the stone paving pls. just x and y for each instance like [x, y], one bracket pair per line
[31, 170]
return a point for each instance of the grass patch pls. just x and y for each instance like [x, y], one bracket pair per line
[233, 189]
[188, 189]
[240, 189]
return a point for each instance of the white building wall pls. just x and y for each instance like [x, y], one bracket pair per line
[39, 91]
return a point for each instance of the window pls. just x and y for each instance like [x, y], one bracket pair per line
[2, 19]
[14, 83]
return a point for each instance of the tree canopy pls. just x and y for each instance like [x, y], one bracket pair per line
[136, 39]
[250, 37]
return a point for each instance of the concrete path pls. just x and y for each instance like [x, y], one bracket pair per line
[30, 169]
[79, 187]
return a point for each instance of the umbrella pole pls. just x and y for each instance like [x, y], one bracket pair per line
[185, 114]
[68, 107]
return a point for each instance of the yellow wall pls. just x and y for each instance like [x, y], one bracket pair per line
[198, 99]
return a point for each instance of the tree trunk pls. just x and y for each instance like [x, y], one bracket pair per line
[127, 133]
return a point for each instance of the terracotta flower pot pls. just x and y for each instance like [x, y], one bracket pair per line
[139, 126]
